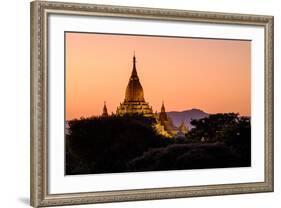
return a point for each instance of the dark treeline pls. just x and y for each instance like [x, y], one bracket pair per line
[121, 144]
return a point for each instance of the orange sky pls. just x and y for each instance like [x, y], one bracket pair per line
[211, 75]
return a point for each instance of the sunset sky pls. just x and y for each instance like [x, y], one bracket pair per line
[211, 75]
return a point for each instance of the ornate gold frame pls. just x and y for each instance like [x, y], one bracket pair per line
[39, 102]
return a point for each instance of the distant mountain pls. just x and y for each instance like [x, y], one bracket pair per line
[186, 116]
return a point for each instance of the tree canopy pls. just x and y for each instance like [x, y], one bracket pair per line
[130, 143]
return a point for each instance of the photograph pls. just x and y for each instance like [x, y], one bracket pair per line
[137, 103]
[134, 103]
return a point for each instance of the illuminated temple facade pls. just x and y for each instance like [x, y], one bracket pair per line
[166, 122]
[134, 102]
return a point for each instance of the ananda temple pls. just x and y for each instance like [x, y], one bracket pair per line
[134, 103]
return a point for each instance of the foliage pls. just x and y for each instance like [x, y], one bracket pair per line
[186, 156]
[129, 143]
[229, 128]
[106, 144]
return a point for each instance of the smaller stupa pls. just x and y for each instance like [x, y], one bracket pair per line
[104, 111]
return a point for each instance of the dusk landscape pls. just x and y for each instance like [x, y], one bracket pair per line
[149, 103]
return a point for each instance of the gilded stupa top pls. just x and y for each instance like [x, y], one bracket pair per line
[134, 90]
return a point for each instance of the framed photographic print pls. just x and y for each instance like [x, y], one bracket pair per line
[144, 103]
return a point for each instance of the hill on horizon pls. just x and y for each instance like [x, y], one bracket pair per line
[179, 116]
[186, 116]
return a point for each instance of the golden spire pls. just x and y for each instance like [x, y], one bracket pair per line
[134, 91]
[134, 102]
[163, 115]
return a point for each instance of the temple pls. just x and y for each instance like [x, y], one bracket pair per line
[134, 102]
[166, 122]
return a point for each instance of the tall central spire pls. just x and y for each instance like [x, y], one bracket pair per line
[134, 91]
[134, 102]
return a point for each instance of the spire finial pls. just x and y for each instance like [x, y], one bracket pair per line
[134, 58]
[134, 72]
[104, 112]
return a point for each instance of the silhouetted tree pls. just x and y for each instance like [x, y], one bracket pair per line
[232, 130]
[130, 143]
[106, 144]
[186, 156]
[218, 127]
